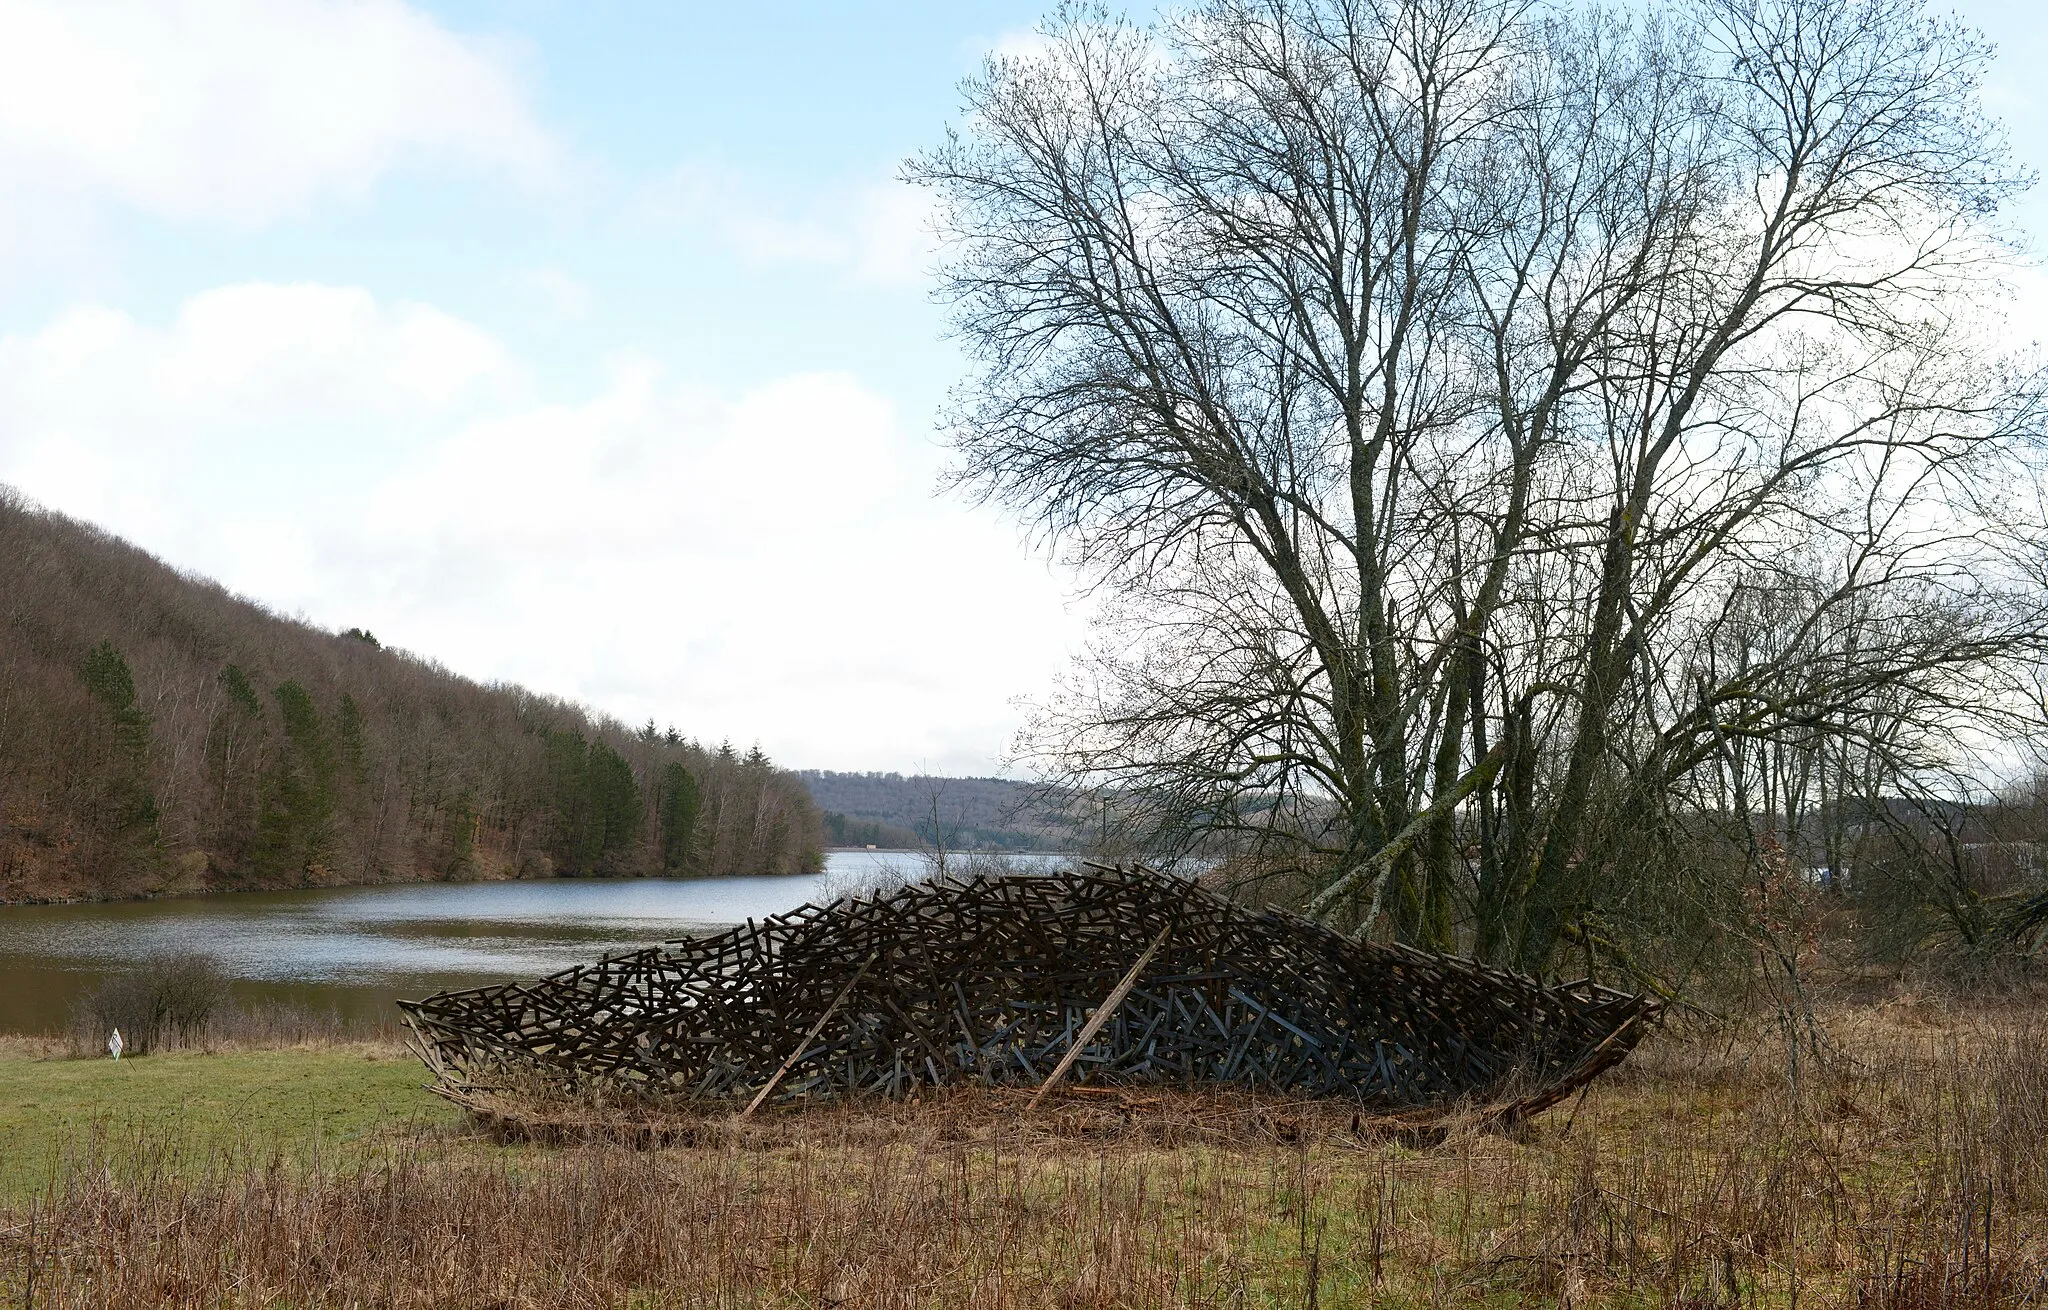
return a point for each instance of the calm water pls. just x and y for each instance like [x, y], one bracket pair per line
[355, 949]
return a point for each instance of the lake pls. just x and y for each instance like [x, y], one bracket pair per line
[356, 949]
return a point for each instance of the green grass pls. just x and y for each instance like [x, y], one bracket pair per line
[256, 1103]
[1696, 1174]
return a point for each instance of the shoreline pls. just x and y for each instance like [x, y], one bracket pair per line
[195, 893]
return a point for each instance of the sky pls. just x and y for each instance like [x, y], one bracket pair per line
[582, 344]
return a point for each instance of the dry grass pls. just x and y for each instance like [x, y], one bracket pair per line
[32, 1046]
[1910, 1171]
[254, 1026]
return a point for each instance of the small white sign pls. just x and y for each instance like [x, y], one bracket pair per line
[114, 1044]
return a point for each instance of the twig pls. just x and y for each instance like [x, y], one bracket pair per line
[1097, 1019]
[809, 1037]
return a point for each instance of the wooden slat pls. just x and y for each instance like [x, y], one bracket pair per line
[989, 979]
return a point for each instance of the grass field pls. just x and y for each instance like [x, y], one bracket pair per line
[1908, 1169]
[252, 1104]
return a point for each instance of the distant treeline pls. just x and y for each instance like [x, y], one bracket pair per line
[960, 813]
[844, 830]
[160, 734]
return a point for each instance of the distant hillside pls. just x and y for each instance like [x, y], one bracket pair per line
[845, 830]
[159, 734]
[972, 813]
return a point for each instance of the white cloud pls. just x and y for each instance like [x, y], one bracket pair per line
[894, 241]
[1014, 43]
[245, 111]
[876, 233]
[234, 355]
[768, 564]
[551, 293]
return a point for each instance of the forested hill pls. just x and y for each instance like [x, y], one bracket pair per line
[158, 734]
[889, 809]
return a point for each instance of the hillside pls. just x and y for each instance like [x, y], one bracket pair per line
[158, 734]
[889, 809]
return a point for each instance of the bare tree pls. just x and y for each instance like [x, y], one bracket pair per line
[427, 775]
[1432, 387]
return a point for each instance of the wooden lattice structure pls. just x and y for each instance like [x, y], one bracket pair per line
[994, 979]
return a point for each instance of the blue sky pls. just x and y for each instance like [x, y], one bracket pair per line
[586, 345]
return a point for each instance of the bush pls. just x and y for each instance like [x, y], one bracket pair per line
[164, 1000]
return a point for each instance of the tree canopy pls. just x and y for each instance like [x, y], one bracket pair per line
[1496, 428]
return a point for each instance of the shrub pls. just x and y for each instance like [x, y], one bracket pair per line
[165, 999]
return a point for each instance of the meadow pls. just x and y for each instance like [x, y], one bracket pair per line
[1903, 1164]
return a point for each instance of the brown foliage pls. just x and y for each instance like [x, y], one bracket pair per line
[401, 769]
[1914, 1174]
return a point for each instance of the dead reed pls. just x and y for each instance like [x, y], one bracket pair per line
[241, 1026]
[1910, 1170]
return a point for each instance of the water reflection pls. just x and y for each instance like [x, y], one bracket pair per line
[356, 948]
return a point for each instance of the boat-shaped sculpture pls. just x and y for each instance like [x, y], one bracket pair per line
[996, 979]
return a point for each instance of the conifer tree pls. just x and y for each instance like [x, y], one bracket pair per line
[295, 831]
[349, 738]
[234, 741]
[240, 691]
[680, 801]
[597, 804]
[107, 678]
[614, 801]
[568, 762]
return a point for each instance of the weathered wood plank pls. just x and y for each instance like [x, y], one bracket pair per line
[878, 985]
